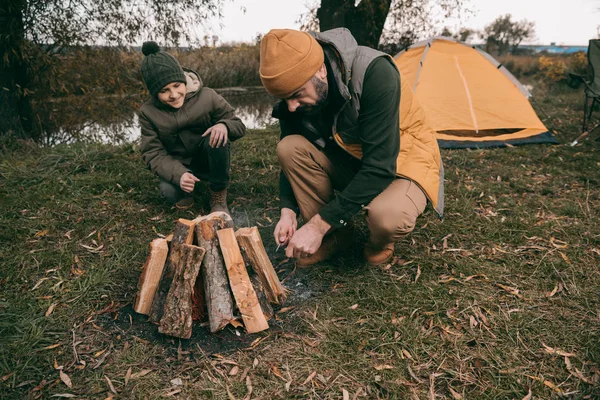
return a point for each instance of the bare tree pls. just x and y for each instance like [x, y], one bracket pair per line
[504, 35]
[375, 21]
[33, 29]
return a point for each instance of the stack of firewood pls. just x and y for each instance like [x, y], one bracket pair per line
[203, 268]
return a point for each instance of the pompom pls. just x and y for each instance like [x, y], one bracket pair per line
[150, 48]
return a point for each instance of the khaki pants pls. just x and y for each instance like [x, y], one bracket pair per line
[314, 176]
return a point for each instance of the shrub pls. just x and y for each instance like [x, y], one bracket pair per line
[552, 69]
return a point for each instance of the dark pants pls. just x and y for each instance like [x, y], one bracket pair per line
[210, 164]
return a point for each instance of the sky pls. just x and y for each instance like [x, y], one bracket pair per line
[568, 22]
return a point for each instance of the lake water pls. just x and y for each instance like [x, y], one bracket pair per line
[113, 119]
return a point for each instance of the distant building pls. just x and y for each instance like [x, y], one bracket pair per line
[553, 48]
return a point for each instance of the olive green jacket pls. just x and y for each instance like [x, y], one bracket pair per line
[171, 137]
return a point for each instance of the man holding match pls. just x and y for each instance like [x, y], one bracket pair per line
[348, 125]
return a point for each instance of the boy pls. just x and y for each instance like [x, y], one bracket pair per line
[186, 129]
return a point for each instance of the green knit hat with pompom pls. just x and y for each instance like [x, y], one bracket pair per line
[159, 68]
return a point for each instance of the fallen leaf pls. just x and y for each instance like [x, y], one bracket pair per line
[310, 378]
[249, 387]
[559, 352]
[41, 233]
[528, 397]
[140, 374]
[64, 395]
[564, 257]
[99, 353]
[172, 393]
[65, 378]
[128, 376]
[547, 383]
[176, 382]
[553, 292]
[455, 394]
[418, 273]
[345, 395]
[383, 366]
[406, 354]
[110, 384]
[414, 376]
[286, 309]
[37, 285]
[277, 373]
[509, 289]
[353, 307]
[53, 346]
[468, 278]
[6, 377]
[234, 371]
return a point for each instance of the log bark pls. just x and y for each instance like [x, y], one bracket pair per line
[177, 318]
[151, 273]
[243, 292]
[219, 302]
[256, 255]
[182, 234]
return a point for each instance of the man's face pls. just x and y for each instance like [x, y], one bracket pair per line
[173, 94]
[312, 96]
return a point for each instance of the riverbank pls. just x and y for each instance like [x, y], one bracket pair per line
[499, 300]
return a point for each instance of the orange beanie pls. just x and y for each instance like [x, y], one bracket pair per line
[288, 59]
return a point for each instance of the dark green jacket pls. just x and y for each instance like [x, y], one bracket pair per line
[386, 131]
[171, 137]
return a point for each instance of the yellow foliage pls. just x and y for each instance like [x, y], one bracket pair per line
[578, 63]
[552, 69]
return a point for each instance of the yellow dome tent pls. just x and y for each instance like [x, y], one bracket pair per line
[469, 98]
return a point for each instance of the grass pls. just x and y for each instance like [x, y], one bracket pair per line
[499, 300]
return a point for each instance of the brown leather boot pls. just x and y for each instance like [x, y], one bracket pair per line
[218, 201]
[378, 255]
[185, 203]
[333, 243]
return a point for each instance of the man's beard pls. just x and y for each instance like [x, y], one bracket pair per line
[322, 90]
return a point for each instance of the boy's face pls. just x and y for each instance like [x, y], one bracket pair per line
[173, 94]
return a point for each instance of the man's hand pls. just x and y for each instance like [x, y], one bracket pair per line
[308, 239]
[187, 182]
[218, 135]
[286, 227]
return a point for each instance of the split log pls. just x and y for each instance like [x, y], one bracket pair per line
[182, 234]
[219, 302]
[177, 318]
[256, 255]
[243, 292]
[262, 297]
[151, 273]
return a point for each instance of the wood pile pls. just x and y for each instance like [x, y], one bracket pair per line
[201, 273]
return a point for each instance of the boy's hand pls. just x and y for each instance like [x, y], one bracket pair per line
[187, 182]
[218, 135]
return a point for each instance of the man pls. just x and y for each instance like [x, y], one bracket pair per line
[348, 124]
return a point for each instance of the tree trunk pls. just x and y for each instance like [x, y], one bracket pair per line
[15, 113]
[365, 21]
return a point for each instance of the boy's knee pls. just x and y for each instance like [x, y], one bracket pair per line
[170, 192]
